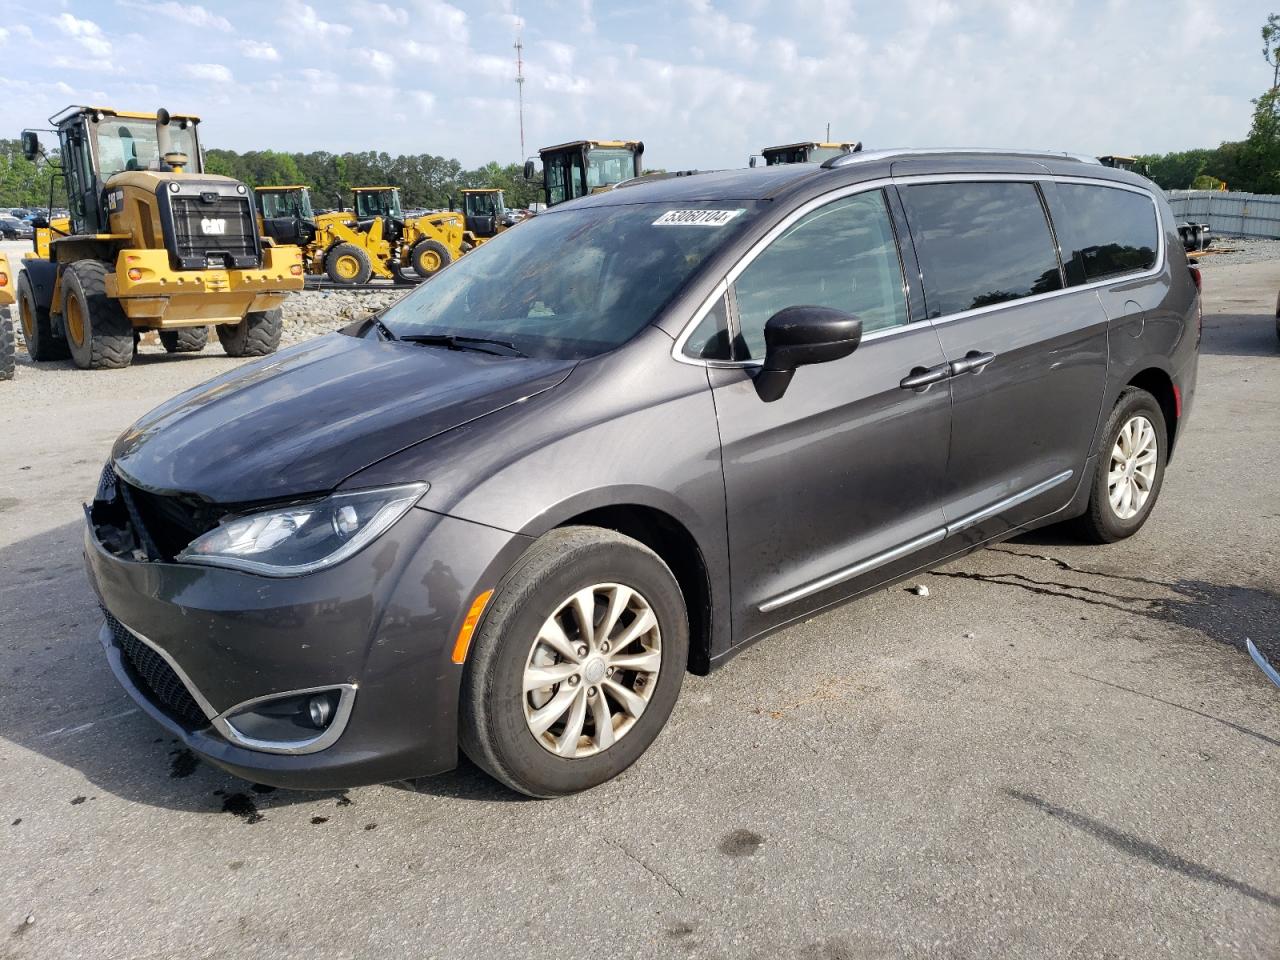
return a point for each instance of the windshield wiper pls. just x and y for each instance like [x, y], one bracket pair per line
[456, 341]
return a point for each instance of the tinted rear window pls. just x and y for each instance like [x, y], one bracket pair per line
[1105, 232]
[980, 243]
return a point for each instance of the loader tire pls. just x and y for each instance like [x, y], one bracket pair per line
[347, 263]
[99, 334]
[6, 344]
[37, 328]
[257, 335]
[185, 340]
[429, 257]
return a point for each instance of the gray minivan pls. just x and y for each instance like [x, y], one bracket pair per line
[628, 438]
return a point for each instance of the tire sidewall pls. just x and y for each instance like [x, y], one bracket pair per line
[504, 642]
[1136, 402]
[81, 353]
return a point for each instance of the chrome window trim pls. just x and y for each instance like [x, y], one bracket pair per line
[327, 737]
[678, 347]
[874, 561]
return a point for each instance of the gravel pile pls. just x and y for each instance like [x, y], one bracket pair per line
[1239, 250]
[313, 312]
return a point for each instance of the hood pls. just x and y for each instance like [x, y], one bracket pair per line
[305, 419]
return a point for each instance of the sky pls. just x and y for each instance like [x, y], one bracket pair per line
[704, 83]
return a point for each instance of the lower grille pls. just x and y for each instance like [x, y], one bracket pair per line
[154, 677]
[222, 232]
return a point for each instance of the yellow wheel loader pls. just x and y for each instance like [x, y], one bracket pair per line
[811, 152]
[6, 322]
[377, 240]
[153, 243]
[583, 167]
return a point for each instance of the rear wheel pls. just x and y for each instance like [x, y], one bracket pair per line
[257, 335]
[430, 257]
[99, 334]
[37, 328]
[185, 339]
[1130, 470]
[6, 344]
[347, 263]
[577, 663]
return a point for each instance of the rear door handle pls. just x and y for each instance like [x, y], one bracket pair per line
[922, 378]
[971, 362]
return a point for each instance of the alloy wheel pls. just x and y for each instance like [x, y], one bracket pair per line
[591, 670]
[1133, 467]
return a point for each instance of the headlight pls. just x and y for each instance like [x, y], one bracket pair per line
[299, 539]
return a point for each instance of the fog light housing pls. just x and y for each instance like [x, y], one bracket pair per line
[296, 269]
[135, 274]
[301, 721]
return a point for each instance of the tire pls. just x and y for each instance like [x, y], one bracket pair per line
[1103, 521]
[257, 335]
[493, 727]
[98, 333]
[37, 328]
[429, 257]
[185, 339]
[6, 344]
[347, 263]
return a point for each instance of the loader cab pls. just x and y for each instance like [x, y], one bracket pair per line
[583, 167]
[482, 211]
[373, 202]
[96, 143]
[285, 214]
[1126, 163]
[811, 152]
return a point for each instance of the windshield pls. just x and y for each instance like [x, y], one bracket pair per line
[818, 154]
[132, 145]
[482, 204]
[378, 203]
[277, 204]
[573, 283]
[609, 165]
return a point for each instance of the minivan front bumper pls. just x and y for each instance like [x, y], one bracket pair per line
[377, 630]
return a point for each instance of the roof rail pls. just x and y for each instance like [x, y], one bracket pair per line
[847, 159]
[651, 177]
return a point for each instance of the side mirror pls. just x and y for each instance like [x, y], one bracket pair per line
[796, 336]
[30, 144]
[751, 161]
[40, 223]
[528, 169]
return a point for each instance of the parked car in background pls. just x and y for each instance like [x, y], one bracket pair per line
[626, 441]
[11, 228]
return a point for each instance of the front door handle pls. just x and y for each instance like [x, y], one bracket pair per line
[922, 378]
[971, 362]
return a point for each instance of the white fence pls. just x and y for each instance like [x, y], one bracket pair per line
[1228, 213]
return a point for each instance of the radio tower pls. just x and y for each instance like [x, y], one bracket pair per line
[519, 45]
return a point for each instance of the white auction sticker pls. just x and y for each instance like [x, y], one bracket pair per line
[696, 218]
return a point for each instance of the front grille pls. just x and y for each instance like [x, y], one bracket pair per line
[218, 232]
[155, 678]
[169, 522]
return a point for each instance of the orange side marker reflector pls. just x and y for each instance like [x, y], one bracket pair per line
[463, 643]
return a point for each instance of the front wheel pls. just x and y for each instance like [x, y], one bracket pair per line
[1130, 469]
[257, 335]
[577, 663]
[347, 263]
[429, 257]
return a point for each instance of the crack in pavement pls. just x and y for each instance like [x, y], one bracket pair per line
[1064, 565]
[652, 871]
[1041, 587]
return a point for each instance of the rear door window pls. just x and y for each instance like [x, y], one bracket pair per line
[980, 244]
[843, 255]
[1105, 231]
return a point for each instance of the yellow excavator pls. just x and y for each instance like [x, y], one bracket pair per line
[377, 240]
[153, 242]
[582, 167]
[810, 152]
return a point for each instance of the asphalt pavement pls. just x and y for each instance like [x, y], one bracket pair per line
[1062, 751]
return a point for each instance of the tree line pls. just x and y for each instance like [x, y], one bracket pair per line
[425, 181]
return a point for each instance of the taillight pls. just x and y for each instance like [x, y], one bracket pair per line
[135, 274]
[1195, 277]
[4, 279]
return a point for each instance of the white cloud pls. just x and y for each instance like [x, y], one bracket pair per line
[717, 31]
[256, 50]
[382, 13]
[4, 34]
[209, 72]
[443, 21]
[85, 32]
[379, 62]
[190, 14]
[301, 19]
